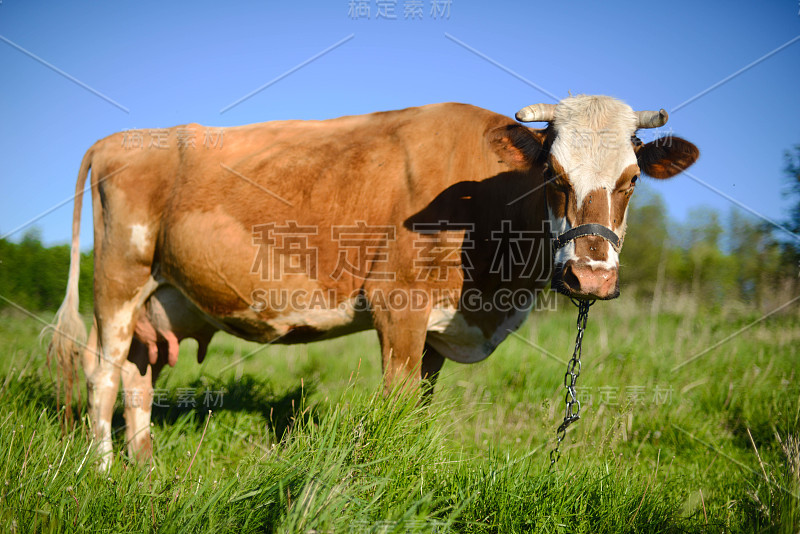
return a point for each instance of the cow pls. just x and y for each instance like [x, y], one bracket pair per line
[438, 226]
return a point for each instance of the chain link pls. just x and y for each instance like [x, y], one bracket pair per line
[573, 405]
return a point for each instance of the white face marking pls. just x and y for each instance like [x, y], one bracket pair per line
[587, 175]
[140, 237]
[593, 146]
[610, 264]
[593, 142]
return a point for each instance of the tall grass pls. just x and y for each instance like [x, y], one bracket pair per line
[304, 441]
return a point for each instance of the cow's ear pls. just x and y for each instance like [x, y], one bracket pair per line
[516, 145]
[666, 157]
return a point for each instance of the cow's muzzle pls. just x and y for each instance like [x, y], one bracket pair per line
[583, 281]
[586, 279]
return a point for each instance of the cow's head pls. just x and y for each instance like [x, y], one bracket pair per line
[592, 160]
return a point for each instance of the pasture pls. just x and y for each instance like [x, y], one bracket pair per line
[301, 440]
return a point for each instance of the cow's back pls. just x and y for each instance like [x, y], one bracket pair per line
[210, 210]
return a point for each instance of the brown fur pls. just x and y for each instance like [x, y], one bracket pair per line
[201, 207]
[666, 157]
[446, 176]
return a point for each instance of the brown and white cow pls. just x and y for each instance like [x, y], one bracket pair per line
[431, 225]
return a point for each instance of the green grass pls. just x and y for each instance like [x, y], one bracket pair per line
[304, 441]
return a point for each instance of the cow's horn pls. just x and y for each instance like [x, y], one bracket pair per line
[651, 119]
[536, 113]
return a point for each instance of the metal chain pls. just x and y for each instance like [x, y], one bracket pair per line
[573, 408]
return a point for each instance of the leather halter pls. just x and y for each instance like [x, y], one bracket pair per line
[584, 230]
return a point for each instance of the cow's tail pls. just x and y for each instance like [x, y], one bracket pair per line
[68, 330]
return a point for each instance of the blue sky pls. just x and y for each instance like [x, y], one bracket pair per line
[171, 63]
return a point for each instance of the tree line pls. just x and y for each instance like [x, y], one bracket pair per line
[34, 276]
[715, 258]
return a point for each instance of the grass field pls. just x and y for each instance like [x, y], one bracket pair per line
[304, 442]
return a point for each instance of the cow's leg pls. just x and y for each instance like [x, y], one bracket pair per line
[137, 394]
[116, 310]
[91, 353]
[432, 363]
[402, 337]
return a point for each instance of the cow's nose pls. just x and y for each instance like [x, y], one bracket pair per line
[584, 281]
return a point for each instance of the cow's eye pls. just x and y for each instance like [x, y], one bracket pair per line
[633, 180]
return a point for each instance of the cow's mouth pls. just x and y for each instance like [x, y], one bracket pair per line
[581, 281]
